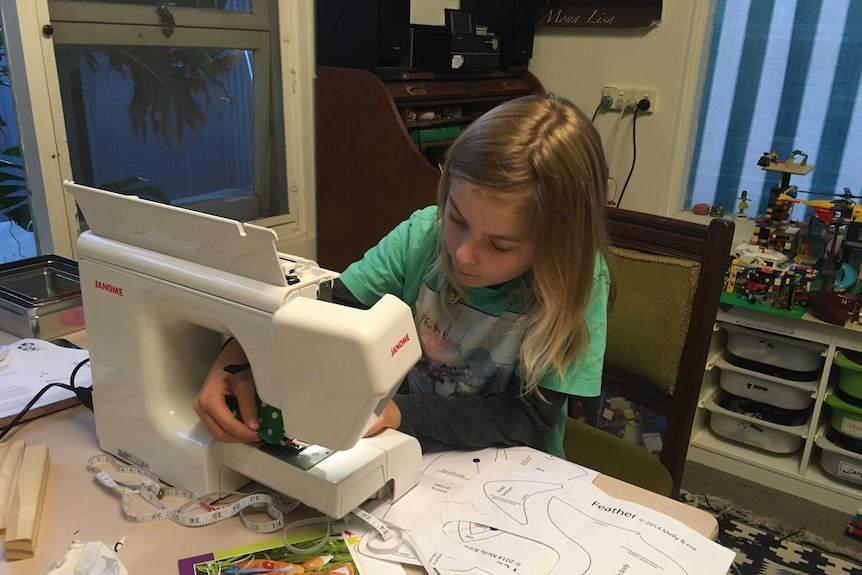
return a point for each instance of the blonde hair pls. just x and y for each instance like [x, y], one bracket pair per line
[544, 153]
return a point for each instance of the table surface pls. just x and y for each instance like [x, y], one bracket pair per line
[76, 507]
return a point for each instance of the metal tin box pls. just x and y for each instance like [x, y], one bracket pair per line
[40, 297]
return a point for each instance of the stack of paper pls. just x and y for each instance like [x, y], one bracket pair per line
[521, 510]
[31, 364]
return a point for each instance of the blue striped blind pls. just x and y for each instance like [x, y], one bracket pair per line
[782, 75]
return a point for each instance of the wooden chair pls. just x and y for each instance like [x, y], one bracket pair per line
[669, 276]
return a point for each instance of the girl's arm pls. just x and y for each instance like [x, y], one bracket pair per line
[503, 419]
[343, 296]
[210, 402]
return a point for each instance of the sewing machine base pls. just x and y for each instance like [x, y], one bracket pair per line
[387, 465]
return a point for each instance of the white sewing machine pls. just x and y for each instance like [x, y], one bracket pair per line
[162, 285]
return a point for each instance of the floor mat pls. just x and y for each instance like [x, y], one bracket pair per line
[766, 546]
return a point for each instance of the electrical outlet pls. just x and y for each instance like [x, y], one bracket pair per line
[629, 97]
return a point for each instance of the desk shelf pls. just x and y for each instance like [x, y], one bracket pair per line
[799, 473]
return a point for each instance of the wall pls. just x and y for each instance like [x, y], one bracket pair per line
[431, 12]
[578, 62]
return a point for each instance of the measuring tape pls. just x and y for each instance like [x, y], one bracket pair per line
[197, 511]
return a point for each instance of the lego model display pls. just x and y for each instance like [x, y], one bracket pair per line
[793, 267]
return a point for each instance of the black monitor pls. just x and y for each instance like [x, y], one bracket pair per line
[458, 22]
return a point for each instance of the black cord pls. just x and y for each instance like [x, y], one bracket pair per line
[85, 395]
[634, 150]
[596, 113]
[642, 106]
[605, 102]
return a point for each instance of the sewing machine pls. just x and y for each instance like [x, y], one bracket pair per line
[162, 286]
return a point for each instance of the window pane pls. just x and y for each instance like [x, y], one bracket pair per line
[17, 240]
[783, 78]
[243, 6]
[176, 125]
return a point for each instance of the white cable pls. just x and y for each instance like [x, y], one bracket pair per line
[384, 532]
[612, 192]
[612, 148]
[303, 522]
[430, 569]
[393, 543]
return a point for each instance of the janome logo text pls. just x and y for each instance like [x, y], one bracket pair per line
[112, 289]
[401, 343]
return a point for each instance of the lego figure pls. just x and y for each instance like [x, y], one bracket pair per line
[743, 204]
[791, 161]
[764, 161]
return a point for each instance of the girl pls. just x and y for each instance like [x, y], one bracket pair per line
[507, 280]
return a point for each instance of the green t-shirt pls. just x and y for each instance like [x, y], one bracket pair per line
[472, 347]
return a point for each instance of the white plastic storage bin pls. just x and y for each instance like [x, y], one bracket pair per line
[753, 431]
[765, 388]
[771, 349]
[839, 462]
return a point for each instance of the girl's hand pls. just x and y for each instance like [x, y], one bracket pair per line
[211, 405]
[391, 417]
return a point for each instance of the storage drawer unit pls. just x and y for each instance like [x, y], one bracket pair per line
[765, 388]
[821, 346]
[754, 431]
[839, 462]
[771, 349]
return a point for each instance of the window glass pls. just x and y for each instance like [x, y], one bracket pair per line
[226, 5]
[17, 240]
[782, 76]
[182, 116]
[171, 124]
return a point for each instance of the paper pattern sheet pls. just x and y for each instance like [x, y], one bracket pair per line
[518, 510]
[30, 365]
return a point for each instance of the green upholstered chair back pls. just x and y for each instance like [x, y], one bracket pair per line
[649, 322]
[668, 274]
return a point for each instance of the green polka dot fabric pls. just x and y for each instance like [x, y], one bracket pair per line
[271, 425]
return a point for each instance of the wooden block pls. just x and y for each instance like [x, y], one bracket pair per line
[8, 478]
[4, 447]
[26, 511]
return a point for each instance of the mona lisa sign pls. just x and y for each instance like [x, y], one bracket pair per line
[598, 13]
